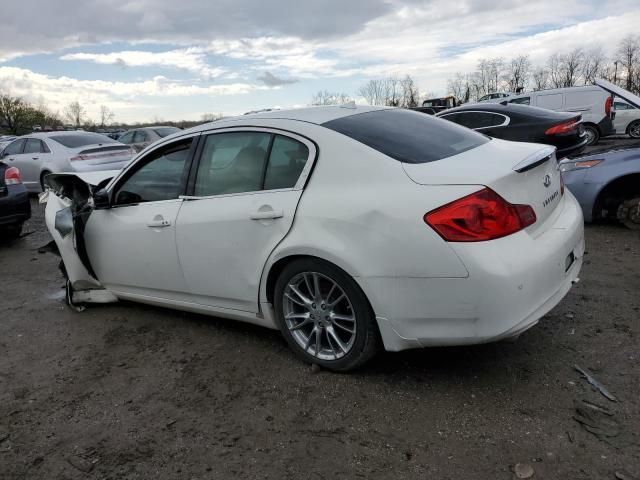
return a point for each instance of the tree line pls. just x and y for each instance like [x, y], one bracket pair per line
[580, 66]
[391, 91]
[17, 116]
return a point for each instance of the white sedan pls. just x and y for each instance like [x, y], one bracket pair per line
[347, 228]
[39, 154]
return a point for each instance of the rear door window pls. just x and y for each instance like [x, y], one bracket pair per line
[407, 136]
[232, 162]
[521, 101]
[476, 119]
[288, 158]
[33, 146]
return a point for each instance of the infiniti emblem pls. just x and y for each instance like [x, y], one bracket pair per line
[547, 180]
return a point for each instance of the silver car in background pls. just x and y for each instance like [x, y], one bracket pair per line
[140, 138]
[39, 154]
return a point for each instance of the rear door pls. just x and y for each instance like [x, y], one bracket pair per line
[243, 197]
[30, 162]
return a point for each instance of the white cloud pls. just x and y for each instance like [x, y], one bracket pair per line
[57, 92]
[189, 59]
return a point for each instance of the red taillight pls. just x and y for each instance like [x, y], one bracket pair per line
[12, 176]
[483, 215]
[607, 106]
[566, 127]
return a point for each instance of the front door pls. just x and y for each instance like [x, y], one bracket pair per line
[243, 200]
[132, 245]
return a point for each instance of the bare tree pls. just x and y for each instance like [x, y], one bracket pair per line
[540, 78]
[572, 67]
[628, 56]
[325, 97]
[106, 115]
[410, 93]
[460, 87]
[517, 73]
[594, 65]
[75, 113]
[375, 92]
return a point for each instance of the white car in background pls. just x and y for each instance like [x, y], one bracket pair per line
[348, 228]
[39, 154]
[496, 97]
[591, 101]
[627, 121]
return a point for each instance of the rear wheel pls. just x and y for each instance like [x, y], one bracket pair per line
[629, 213]
[592, 133]
[324, 315]
[634, 129]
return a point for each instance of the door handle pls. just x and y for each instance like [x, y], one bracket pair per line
[34, 158]
[159, 222]
[267, 215]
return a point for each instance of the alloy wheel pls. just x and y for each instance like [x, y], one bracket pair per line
[319, 315]
[634, 130]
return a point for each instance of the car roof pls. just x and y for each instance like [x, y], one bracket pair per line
[315, 115]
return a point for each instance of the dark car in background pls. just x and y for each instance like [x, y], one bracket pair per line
[139, 138]
[15, 208]
[521, 123]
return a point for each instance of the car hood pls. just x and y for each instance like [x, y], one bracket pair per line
[619, 92]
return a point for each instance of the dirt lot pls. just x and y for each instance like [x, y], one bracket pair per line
[129, 391]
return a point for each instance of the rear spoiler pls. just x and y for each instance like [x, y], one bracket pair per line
[535, 159]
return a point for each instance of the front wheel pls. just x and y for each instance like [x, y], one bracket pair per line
[324, 315]
[634, 129]
[629, 213]
[592, 133]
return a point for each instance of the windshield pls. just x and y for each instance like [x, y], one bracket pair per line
[408, 136]
[78, 140]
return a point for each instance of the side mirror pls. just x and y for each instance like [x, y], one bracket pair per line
[101, 199]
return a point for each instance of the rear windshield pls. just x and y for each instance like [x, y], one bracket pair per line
[77, 140]
[164, 131]
[408, 136]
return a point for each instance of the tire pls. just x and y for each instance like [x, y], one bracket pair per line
[42, 179]
[343, 347]
[629, 213]
[593, 134]
[634, 129]
[11, 232]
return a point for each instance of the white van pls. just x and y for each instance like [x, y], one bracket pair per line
[593, 102]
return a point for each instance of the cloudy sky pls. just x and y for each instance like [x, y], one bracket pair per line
[179, 59]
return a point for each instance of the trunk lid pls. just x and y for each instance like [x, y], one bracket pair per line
[619, 92]
[521, 173]
[102, 154]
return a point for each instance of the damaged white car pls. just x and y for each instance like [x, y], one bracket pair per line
[348, 228]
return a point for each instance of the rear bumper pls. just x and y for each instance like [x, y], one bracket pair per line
[15, 206]
[512, 283]
[571, 150]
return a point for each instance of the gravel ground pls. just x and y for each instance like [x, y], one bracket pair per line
[131, 391]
